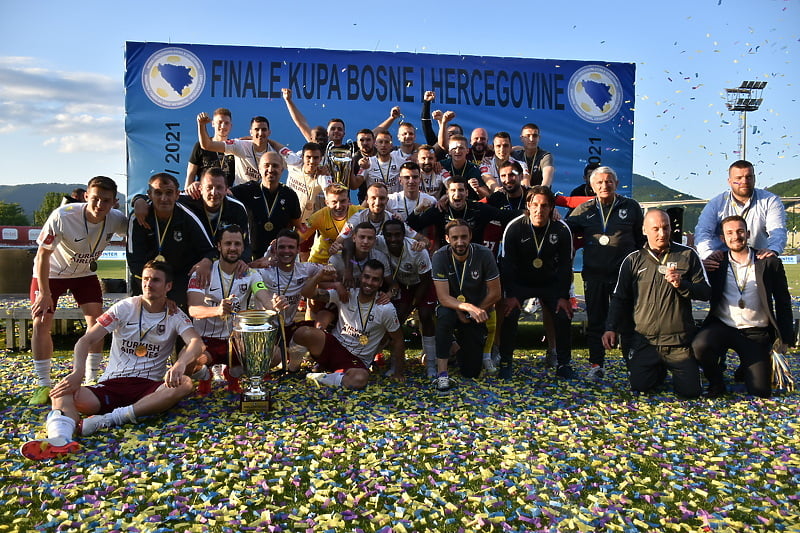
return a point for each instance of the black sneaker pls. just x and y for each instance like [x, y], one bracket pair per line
[565, 371]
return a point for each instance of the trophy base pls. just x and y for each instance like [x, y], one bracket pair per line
[252, 405]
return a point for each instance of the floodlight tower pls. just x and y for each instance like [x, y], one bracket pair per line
[744, 98]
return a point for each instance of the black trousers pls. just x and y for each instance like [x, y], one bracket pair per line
[648, 365]
[562, 322]
[598, 297]
[471, 337]
[754, 346]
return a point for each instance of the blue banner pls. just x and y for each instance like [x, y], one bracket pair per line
[584, 109]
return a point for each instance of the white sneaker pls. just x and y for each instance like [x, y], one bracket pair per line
[488, 366]
[442, 383]
[595, 373]
[315, 378]
[90, 425]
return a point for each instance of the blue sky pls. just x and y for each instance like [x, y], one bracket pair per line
[61, 70]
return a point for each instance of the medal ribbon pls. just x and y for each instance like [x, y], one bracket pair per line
[222, 283]
[536, 241]
[161, 236]
[361, 317]
[604, 216]
[266, 204]
[460, 279]
[662, 261]
[141, 311]
[215, 227]
[93, 248]
[400, 260]
[740, 284]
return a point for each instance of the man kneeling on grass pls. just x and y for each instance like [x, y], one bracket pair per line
[136, 382]
[346, 354]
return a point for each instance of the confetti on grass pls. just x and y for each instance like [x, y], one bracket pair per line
[536, 454]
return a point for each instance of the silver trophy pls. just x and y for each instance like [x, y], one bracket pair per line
[253, 342]
[340, 159]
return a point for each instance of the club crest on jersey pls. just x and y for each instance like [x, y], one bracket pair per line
[177, 235]
[243, 287]
[553, 238]
[161, 329]
[623, 214]
[475, 274]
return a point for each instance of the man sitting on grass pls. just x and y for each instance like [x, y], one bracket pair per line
[137, 381]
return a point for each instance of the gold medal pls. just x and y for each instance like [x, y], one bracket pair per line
[268, 226]
[160, 258]
[93, 266]
[537, 263]
[662, 269]
[461, 298]
[141, 350]
[363, 340]
[604, 240]
[741, 303]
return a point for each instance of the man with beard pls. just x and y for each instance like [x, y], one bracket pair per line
[467, 286]
[479, 146]
[307, 180]
[490, 166]
[211, 307]
[610, 227]
[410, 199]
[272, 205]
[215, 210]
[431, 181]
[349, 267]
[763, 211]
[656, 286]
[346, 354]
[537, 263]
[248, 152]
[511, 195]
[538, 162]
[750, 308]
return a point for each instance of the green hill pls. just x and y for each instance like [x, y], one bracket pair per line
[30, 195]
[786, 188]
[647, 190]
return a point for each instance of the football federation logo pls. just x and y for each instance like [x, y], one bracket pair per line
[173, 78]
[595, 93]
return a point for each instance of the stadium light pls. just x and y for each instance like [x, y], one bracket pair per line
[746, 97]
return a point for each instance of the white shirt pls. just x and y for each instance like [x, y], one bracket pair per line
[401, 206]
[357, 319]
[76, 242]
[132, 326]
[223, 285]
[729, 312]
[407, 268]
[289, 284]
[247, 158]
[388, 173]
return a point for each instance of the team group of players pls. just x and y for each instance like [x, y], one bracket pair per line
[459, 231]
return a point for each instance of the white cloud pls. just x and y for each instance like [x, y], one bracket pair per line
[74, 111]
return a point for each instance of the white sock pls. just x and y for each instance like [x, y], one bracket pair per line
[42, 369]
[429, 347]
[60, 428]
[93, 366]
[332, 380]
[122, 415]
[487, 356]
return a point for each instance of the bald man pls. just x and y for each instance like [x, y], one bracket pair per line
[656, 286]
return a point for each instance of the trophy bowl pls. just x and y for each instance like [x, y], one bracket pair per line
[340, 160]
[252, 342]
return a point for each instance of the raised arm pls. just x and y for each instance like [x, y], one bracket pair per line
[297, 117]
[206, 142]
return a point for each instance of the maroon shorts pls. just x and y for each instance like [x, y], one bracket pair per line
[218, 350]
[335, 357]
[85, 290]
[120, 392]
[406, 296]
